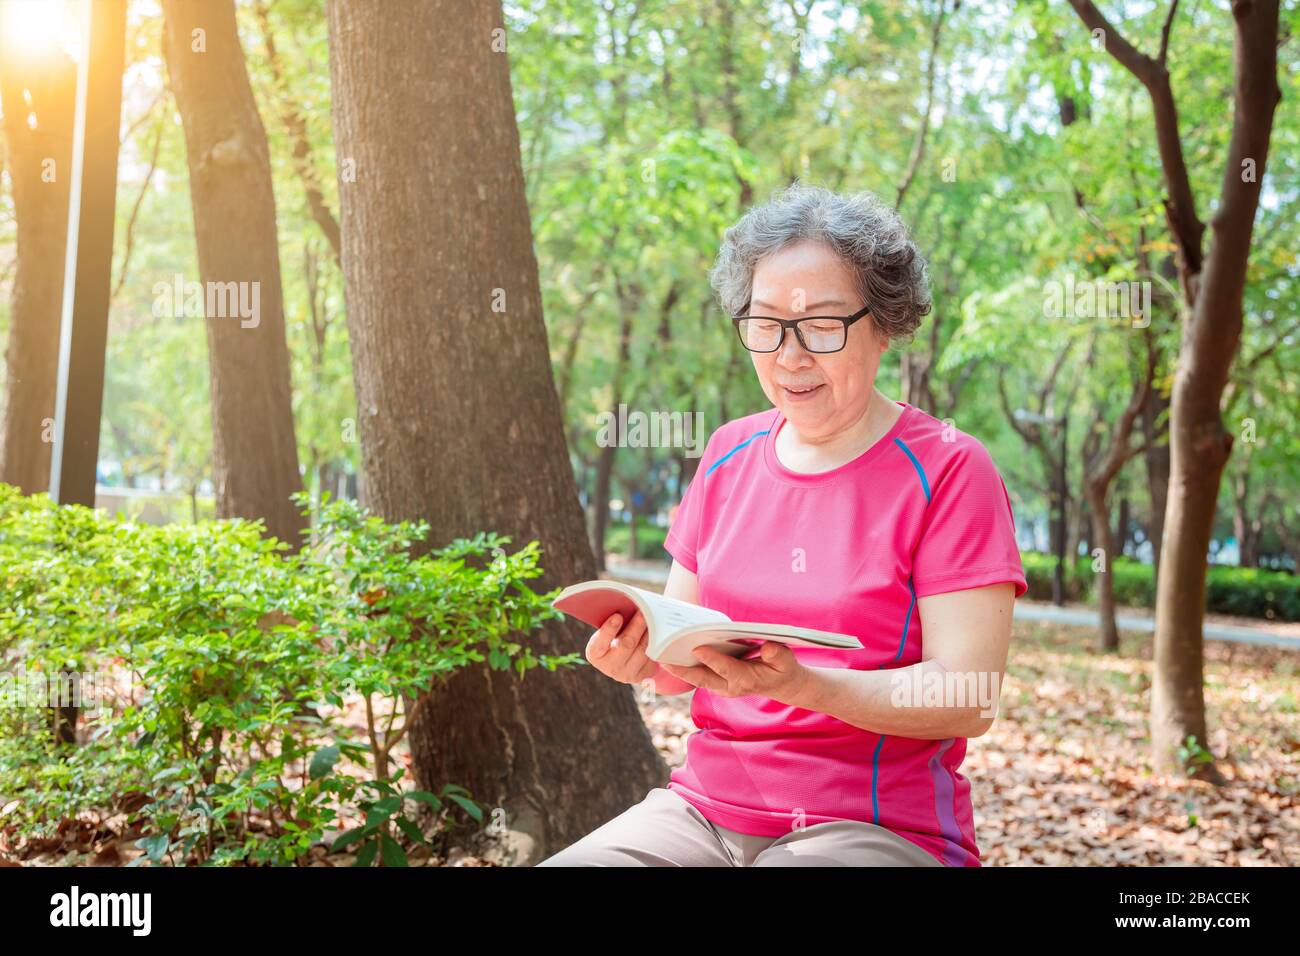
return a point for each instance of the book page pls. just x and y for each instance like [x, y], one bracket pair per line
[672, 615]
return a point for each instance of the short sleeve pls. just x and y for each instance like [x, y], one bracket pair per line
[968, 538]
[683, 539]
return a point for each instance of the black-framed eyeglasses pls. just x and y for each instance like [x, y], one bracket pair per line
[816, 333]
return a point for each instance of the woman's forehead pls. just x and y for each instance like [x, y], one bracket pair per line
[826, 301]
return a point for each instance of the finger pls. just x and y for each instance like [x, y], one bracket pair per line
[723, 664]
[599, 644]
[627, 655]
[629, 639]
[699, 676]
[777, 655]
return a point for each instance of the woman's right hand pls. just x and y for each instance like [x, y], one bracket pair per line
[617, 650]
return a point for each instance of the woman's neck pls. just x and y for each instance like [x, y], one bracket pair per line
[811, 455]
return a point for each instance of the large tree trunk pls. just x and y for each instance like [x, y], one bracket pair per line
[254, 453]
[40, 166]
[460, 419]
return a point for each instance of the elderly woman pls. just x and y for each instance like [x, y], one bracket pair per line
[841, 510]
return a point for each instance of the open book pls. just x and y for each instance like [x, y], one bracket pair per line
[678, 627]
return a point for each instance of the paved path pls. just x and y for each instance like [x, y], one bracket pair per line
[1033, 611]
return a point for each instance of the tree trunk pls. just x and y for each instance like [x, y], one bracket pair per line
[1122, 524]
[1105, 452]
[1246, 528]
[631, 511]
[1213, 285]
[460, 419]
[254, 453]
[600, 504]
[40, 167]
[605, 463]
[1103, 580]
[1157, 462]
[1064, 543]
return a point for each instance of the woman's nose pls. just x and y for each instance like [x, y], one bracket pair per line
[792, 354]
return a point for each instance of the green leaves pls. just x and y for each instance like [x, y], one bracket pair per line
[155, 847]
[240, 644]
[323, 762]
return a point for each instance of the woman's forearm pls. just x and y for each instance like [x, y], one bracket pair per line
[896, 702]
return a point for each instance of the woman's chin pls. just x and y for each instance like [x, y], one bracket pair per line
[804, 415]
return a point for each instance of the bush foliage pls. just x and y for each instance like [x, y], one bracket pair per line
[221, 661]
[1245, 592]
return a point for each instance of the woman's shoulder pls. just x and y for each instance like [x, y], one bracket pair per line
[941, 448]
[736, 432]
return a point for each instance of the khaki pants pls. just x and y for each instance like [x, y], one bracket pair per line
[665, 830]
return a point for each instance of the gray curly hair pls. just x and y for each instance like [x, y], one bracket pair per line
[871, 238]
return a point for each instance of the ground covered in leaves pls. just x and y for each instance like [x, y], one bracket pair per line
[1062, 778]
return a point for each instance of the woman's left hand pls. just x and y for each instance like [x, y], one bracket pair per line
[775, 672]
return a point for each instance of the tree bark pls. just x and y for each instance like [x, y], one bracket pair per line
[1103, 459]
[1122, 522]
[605, 462]
[40, 166]
[254, 452]
[295, 127]
[1157, 466]
[1245, 527]
[460, 420]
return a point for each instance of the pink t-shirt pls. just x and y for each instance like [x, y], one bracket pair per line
[922, 511]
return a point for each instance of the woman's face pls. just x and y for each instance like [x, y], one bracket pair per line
[820, 394]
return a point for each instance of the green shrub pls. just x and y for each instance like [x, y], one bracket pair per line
[649, 539]
[1245, 592]
[1252, 592]
[1038, 570]
[233, 644]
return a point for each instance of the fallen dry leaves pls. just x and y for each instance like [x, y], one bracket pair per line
[1062, 778]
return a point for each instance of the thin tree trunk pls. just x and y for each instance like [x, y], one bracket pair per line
[1122, 523]
[1103, 582]
[1213, 285]
[1103, 459]
[295, 126]
[605, 463]
[1245, 527]
[1157, 467]
[40, 167]
[631, 511]
[460, 419]
[254, 452]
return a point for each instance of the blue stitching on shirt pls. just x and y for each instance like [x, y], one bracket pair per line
[925, 485]
[734, 450]
[875, 775]
[906, 620]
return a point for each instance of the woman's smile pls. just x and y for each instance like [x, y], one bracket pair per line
[801, 393]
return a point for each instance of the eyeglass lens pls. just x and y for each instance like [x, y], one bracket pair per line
[819, 335]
